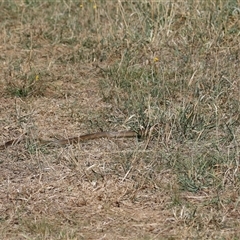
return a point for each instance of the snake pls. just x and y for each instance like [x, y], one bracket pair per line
[78, 139]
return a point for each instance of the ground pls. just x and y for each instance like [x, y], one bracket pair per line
[75, 67]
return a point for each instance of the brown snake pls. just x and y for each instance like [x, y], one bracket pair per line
[73, 140]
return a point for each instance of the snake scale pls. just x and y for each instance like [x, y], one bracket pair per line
[74, 140]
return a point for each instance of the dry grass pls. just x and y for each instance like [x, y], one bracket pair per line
[73, 67]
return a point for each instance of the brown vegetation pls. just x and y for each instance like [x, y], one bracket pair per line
[75, 67]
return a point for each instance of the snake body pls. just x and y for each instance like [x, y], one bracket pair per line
[74, 140]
